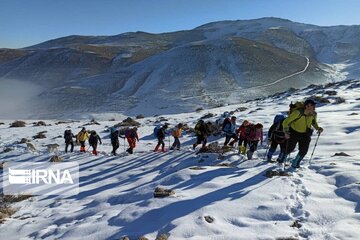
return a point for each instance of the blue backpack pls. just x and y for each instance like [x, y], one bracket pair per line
[156, 130]
[278, 118]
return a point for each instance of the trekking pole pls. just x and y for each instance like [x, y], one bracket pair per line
[317, 139]
[169, 141]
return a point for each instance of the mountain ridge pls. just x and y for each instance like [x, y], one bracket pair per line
[161, 69]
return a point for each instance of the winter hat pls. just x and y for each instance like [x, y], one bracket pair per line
[309, 101]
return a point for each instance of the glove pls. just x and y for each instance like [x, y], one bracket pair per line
[320, 130]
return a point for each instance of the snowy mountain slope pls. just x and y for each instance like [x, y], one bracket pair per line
[127, 72]
[116, 197]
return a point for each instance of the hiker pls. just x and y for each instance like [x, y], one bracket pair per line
[131, 136]
[276, 136]
[93, 141]
[255, 135]
[114, 137]
[176, 134]
[298, 130]
[161, 133]
[229, 130]
[201, 131]
[68, 135]
[242, 132]
[81, 137]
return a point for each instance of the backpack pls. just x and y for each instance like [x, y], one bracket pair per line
[296, 106]
[278, 134]
[250, 132]
[114, 135]
[130, 133]
[156, 131]
[225, 122]
[68, 135]
[93, 139]
[278, 118]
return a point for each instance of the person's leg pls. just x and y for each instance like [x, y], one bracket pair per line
[162, 145]
[235, 139]
[72, 146]
[204, 141]
[227, 140]
[304, 143]
[271, 150]
[66, 146]
[94, 149]
[178, 144]
[157, 145]
[82, 146]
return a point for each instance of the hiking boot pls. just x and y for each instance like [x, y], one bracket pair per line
[242, 149]
[281, 167]
[249, 154]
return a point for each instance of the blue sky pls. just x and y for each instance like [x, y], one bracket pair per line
[27, 22]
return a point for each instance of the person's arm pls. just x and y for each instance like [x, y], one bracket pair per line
[271, 130]
[316, 125]
[99, 139]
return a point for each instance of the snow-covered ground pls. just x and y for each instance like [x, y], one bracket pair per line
[116, 192]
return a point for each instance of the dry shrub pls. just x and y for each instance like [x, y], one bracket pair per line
[8, 149]
[129, 122]
[339, 100]
[270, 174]
[40, 135]
[6, 210]
[56, 158]
[143, 238]
[208, 115]
[214, 148]
[40, 123]
[163, 236]
[224, 165]
[18, 124]
[209, 219]
[197, 168]
[162, 192]
[341, 154]
[14, 198]
[92, 122]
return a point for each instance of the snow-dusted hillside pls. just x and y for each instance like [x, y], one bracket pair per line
[181, 70]
[320, 201]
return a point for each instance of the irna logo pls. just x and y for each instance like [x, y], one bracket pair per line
[41, 178]
[38, 176]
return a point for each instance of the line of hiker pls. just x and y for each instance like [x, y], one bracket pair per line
[286, 132]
